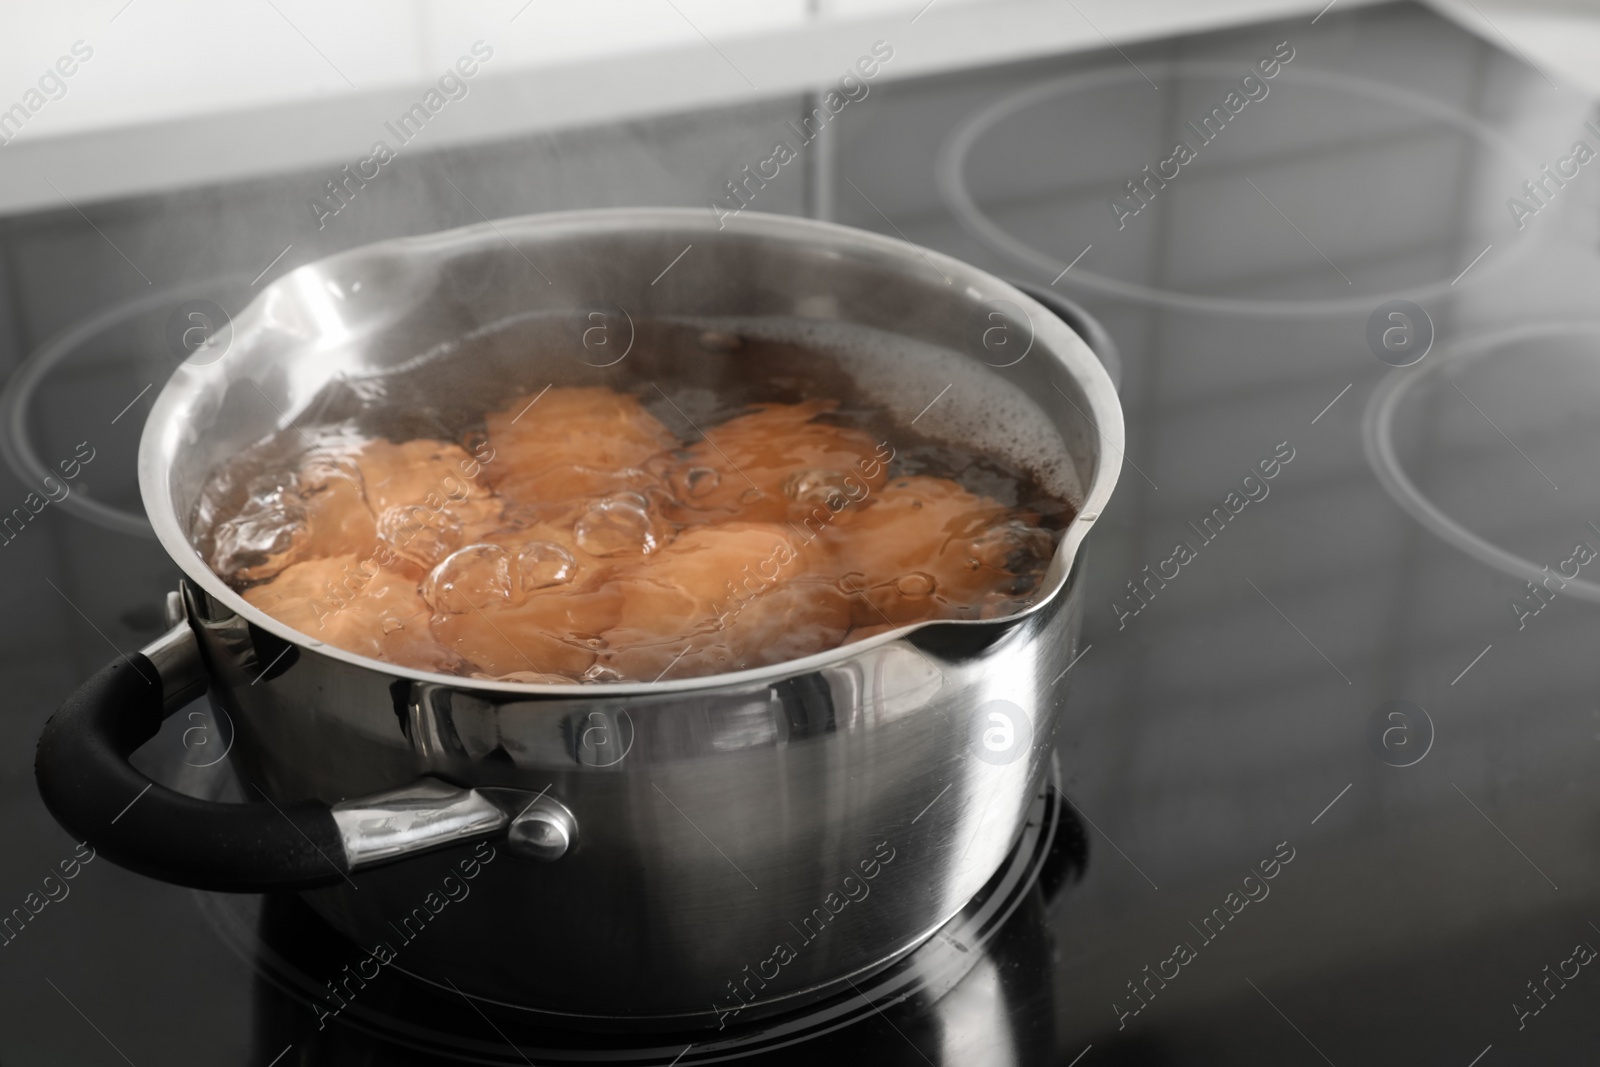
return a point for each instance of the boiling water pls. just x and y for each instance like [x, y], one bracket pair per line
[723, 496]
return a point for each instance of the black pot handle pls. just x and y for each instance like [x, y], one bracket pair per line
[99, 797]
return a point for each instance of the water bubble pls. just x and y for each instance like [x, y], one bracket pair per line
[392, 624]
[471, 577]
[915, 586]
[420, 534]
[601, 673]
[816, 486]
[261, 540]
[541, 564]
[617, 525]
[258, 544]
[522, 515]
[323, 471]
[694, 483]
[267, 489]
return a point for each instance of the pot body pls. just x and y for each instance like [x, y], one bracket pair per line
[737, 843]
[739, 849]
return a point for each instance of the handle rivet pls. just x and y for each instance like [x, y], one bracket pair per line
[544, 831]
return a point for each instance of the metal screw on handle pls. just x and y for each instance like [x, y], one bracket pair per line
[544, 831]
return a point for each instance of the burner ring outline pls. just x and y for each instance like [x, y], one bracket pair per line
[1377, 439]
[950, 178]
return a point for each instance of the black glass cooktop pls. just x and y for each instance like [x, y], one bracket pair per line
[1328, 791]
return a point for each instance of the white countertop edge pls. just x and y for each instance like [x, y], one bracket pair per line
[95, 165]
[1558, 38]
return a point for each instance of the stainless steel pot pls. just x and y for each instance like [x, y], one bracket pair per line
[681, 852]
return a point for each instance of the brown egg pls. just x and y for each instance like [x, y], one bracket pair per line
[527, 598]
[571, 443]
[334, 497]
[722, 598]
[357, 605]
[775, 464]
[919, 549]
[579, 542]
[434, 474]
[533, 596]
[552, 633]
[421, 498]
[428, 497]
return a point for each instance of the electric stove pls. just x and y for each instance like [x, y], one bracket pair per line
[1328, 786]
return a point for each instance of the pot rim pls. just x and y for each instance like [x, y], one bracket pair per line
[1059, 342]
